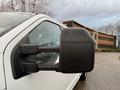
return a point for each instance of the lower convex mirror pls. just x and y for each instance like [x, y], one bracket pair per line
[76, 54]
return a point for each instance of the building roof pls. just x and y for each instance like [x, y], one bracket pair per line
[107, 34]
[72, 21]
[78, 24]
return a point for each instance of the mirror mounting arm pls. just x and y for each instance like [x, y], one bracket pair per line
[32, 67]
[49, 67]
[34, 49]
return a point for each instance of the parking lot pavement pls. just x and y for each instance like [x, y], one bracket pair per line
[106, 74]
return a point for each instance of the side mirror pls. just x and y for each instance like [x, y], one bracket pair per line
[76, 51]
[76, 54]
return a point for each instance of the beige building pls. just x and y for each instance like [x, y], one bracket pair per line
[103, 40]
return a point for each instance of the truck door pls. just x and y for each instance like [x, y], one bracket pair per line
[46, 34]
[2, 79]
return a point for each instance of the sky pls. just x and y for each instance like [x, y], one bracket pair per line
[92, 13]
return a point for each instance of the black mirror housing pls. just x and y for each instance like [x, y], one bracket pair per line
[76, 51]
[76, 54]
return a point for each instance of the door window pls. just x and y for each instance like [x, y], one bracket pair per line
[46, 34]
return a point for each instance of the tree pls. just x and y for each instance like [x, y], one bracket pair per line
[10, 4]
[2, 5]
[109, 29]
[34, 6]
[118, 32]
[40, 6]
[23, 5]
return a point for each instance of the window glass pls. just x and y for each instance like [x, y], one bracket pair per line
[9, 21]
[46, 34]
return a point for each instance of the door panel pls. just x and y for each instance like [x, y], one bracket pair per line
[2, 79]
[42, 80]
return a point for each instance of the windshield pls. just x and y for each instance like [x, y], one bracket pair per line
[10, 20]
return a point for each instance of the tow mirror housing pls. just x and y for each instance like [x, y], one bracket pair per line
[76, 54]
[76, 51]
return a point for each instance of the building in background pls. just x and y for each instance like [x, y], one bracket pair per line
[103, 41]
[106, 41]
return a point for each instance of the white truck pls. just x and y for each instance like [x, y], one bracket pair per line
[39, 53]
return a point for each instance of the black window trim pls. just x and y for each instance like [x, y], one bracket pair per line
[14, 69]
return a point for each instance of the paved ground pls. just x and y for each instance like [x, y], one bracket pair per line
[105, 76]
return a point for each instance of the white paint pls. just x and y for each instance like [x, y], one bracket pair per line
[73, 82]
[5, 39]
[36, 81]
[2, 79]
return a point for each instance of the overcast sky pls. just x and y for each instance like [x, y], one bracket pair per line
[93, 13]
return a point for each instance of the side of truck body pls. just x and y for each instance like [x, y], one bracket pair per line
[42, 80]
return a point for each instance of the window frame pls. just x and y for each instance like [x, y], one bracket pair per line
[20, 40]
[60, 28]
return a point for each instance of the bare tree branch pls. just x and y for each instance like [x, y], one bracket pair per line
[34, 6]
[12, 5]
[2, 6]
[23, 5]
